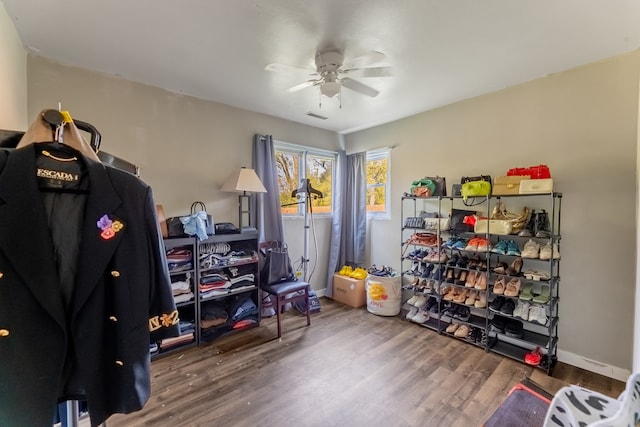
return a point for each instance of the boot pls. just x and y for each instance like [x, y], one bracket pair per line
[542, 225]
[529, 229]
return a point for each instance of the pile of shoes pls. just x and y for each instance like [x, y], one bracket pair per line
[355, 273]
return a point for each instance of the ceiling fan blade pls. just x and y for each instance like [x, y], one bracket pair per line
[290, 69]
[302, 85]
[365, 59]
[369, 72]
[359, 87]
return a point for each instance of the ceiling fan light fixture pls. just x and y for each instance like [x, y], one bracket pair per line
[330, 89]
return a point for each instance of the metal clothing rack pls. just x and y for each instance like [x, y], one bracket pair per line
[304, 194]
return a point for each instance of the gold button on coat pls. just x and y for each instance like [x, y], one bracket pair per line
[1, 274]
[4, 332]
[115, 273]
[113, 318]
[119, 363]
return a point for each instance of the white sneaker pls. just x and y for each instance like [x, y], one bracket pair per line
[421, 317]
[411, 313]
[547, 251]
[530, 250]
[420, 302]
[537, 314]
[522, 310]
[412, 300]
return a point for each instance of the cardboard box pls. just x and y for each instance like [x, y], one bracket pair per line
[351, 292]
[536, 186]
[505, 185]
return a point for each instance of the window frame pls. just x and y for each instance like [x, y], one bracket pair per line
[377, 154]
[302, 152]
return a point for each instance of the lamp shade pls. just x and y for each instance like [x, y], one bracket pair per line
[244, 180]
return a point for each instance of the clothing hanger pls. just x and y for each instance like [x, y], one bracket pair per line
[57, 127]
[307, 188]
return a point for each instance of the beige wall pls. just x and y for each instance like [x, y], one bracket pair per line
[13, 76]
[185, 147]
[582, 124]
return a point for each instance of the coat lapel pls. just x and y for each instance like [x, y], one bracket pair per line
[103, 230]
[24, 236]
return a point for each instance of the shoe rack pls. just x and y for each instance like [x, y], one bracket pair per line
[490, 290]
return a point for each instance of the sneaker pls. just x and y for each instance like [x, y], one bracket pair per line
[411, 313]
[461, 244]
[497, 304]
[537, 314]
[531, 249]
[462, 313]
[508, 307]
[484, 245]
[522, 310]
[421, 317]
[529, 229]
[420, 302]
[512, 248]
[412, 300]
[547, 251]
[500, 247]
[513, 328]
[472, 246]
[481, 302]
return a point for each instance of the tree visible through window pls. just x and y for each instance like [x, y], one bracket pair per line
[378, 182]
[319, 169]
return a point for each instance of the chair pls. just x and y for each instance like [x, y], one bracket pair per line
[577, 406]
[278, 280]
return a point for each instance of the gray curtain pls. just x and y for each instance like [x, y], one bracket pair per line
[268, 214]
[349, 226]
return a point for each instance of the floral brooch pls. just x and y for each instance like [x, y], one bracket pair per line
[109, 227]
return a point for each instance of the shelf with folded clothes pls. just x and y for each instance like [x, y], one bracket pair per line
[233, 314]
[186, 339]
[230, 280]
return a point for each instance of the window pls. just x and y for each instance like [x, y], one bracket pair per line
[378, 183]
[296, 164]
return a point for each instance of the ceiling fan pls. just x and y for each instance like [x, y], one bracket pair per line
[331, 75]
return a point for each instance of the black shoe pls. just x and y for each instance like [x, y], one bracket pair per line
[496, 305]
[462, 313]
[513, 328]
[508, 307]
[530, 229]
[542, 225]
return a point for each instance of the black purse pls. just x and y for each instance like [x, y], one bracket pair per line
[277, 265]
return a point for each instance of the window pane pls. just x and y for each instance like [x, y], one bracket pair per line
[376, 184]
[287, 165]
[320, 175]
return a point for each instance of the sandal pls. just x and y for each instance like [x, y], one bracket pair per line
[526, 292]
[471, 299]
[481, 282]
[544, 296]
[499, 286]
[515, 268]
[481, 302]
[471, 279]
[513, 288]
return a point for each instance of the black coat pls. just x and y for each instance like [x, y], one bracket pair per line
[122, 296]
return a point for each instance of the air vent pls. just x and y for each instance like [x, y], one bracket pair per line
[316, 116]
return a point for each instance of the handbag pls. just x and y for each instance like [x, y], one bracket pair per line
[424, 187]
[200, 207]
[277, 265]
[441, 185]
[175, 227]
[457, 222]
[475, 186]
[517, 221]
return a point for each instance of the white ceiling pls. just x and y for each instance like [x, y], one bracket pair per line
[441, 51]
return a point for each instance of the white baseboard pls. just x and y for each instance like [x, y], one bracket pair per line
[321, 292]
[594, 366]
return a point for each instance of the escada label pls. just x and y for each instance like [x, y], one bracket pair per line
[59, 175]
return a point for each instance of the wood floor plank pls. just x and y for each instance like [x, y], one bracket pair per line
[349, 368]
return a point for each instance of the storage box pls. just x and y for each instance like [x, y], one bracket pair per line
[505, 185]
[536, 186]
[351, 292]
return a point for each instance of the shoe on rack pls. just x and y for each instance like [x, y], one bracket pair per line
[463, 331]
[472, 297]
[472, 246]
[508, 307]
[452, 328]
[529, 229]
[531, 249]
[411, 313]
[501, 268]
[548, 251]
[515, 268]
[542, 225]
[512, 248]
[421, 317]
[500, 247]
[462, 313]
[420, 302]
[499, 286]
[537, 314]
[481, 282]
[484, 245]
[460, 244]
[481, 302]
[522, 310]
[497, 304]
[513, 328]
[461, 296]
[471, 279]
[513, 288]
[544, 295]
[412, 300]
[526, 292]
[536, 275]
[462, 278]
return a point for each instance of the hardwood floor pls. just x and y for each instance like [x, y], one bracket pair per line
[349, 368]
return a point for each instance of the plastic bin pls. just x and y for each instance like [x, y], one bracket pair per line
[384, 295]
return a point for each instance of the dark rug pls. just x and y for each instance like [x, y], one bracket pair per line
[525, 406]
